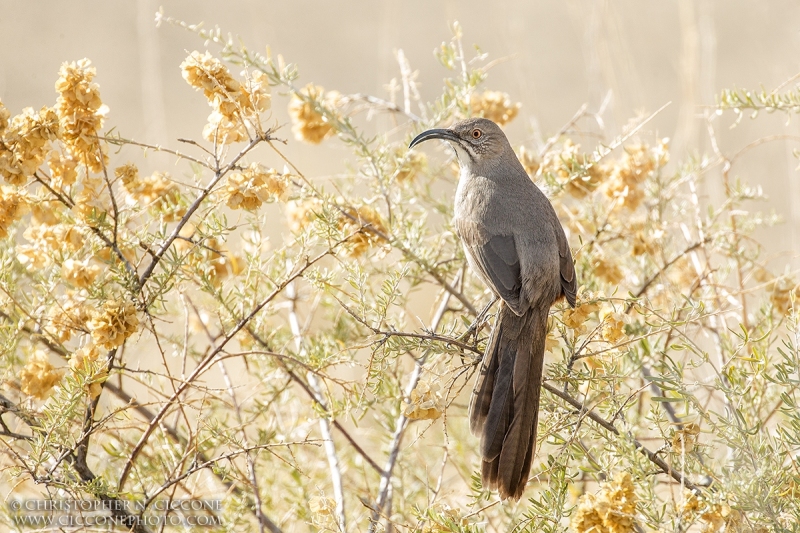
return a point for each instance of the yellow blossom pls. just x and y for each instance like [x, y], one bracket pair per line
[713, 515]
[90, 201]
[63, 169]
[551, 343]
[4, 116]
[578, 171]
[301, 213]
[494, 105]
[207, 73]
[83, 358]
[253, 186]
[81, 113]
[13, 204]
[208, 257]
[68, 317]
[84, 361]
[425, 402]
[45, 211]
[45, 240]
[224, 128]
[233, 103]
[308, 124]
[79, 273]
[781, 292]
[411, 164]
[359, 224]
[638, 163]
[684, 439]
[157, 191]
[644, 240]
[576, 318]
[26, 142]
[113, 324]
[39, 376]
[322, 506]
[606, 269]
[613, 326]
[255, 91]
[611, 510]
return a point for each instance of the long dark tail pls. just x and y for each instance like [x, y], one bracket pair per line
[504, 409]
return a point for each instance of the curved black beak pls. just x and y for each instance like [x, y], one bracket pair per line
[444, 134]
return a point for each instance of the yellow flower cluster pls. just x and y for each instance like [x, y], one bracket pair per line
[359, 222]
[63, 169]
[494, 105]
[253, 186]
[79, 273]
[322, 505]
[46, 240]
[80, 113]
[781, 292]
[5, 114]
[629, 173]
[606, 269]
[551, 342]
[157, 191]
[39, 376]
[85, 361]
[233, 104]
[613, 326]
[90, 201]
[308, 124]
[575, 169]
[611, 510]
[645, 242]
[685, 439]
[425, 402]
[113, 324]
[713, 515]
[13, 204]
[209, 258]
[576, 318]
[45, 211]
[25, 142]
[68, 317]
[411, 165]
[301, 213]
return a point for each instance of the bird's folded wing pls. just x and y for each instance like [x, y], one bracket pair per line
[568, 281]
[496, 259]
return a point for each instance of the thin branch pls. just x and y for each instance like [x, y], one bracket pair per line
[324, 423]
[608, 426]
[382, 501]
[209, 358]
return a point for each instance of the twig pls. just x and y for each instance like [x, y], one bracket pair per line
[116, 506]
[209, 358]
[324, 423]
[583, 410]
[219, 173]
[401, 424]
[393, 242]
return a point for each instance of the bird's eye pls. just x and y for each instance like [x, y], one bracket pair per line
[476, 133]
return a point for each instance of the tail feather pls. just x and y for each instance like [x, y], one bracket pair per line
[505, 403]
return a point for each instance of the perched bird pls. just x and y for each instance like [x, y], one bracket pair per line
[514, 242]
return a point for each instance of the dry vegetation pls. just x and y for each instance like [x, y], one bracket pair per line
[157, 345]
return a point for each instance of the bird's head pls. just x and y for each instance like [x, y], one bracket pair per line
[475, 140]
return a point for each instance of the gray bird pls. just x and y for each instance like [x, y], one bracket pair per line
[515, 243]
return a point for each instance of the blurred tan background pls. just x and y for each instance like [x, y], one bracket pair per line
[556, 56]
